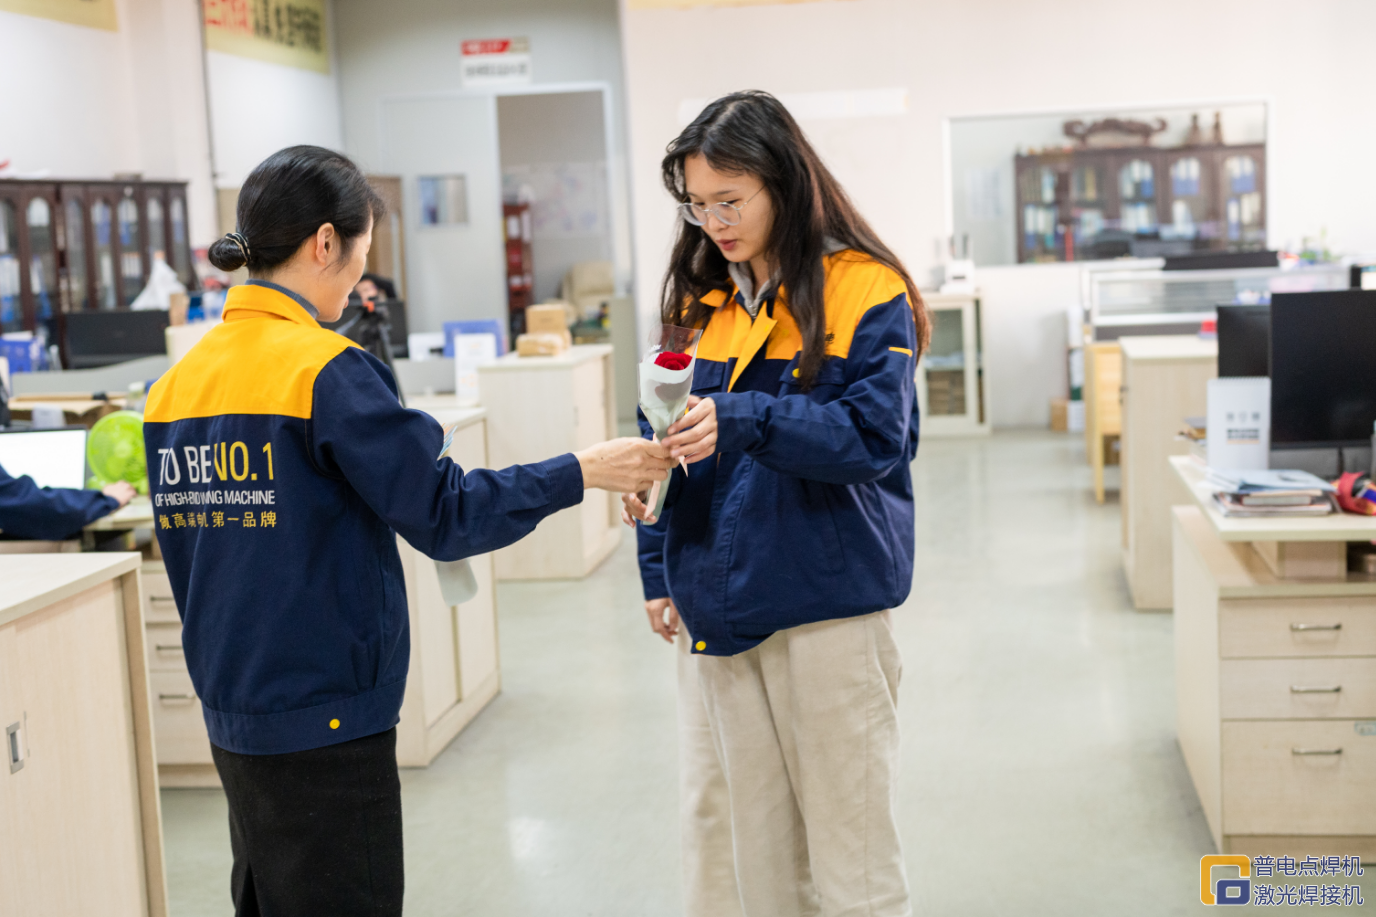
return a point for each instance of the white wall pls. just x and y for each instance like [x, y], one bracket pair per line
[1312, 65]
[94, 102]
[412, 48]
[258, 108]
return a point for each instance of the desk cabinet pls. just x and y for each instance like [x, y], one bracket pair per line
[539, 408]
[1275, 699]
[79, 811]
[1165, 380]
[454, 669]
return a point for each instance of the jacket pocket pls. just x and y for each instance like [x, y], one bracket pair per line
[707, 377]
[828, 386]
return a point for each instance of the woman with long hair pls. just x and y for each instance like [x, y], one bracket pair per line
[790, 536]
[282, 468]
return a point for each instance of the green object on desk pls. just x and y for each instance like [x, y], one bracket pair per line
[114, 451]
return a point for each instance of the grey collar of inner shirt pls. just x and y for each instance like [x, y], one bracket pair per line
[300, 300]
[745, 278]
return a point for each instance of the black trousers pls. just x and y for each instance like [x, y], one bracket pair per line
[316, 833]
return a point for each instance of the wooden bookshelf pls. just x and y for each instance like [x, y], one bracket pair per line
[1084, 203]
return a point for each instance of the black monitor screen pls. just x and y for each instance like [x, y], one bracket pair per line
[1323, 368]
[114, 336]
[1244, 341]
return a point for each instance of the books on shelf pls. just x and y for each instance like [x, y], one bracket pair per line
[1270, 493]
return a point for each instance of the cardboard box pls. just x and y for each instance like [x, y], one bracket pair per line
[543, 344]
[1059, 409]
[550, 317]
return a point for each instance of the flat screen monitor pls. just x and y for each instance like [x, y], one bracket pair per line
[53, 458]
[1244, 341]
[114, 336]
[1323, 368]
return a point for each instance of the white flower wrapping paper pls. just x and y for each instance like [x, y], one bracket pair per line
[664, 392]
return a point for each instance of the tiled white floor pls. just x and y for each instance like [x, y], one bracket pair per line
[1041, 773]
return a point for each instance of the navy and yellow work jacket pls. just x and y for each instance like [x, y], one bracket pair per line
[48, 513]
[806, 512]
[281, 469]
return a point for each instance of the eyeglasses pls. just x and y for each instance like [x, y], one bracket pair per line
[725, 211]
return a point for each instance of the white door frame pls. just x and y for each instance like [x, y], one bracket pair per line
[618, 204]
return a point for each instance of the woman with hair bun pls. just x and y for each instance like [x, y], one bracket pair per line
[282, 468]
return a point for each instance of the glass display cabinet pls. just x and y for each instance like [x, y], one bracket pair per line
[951, 389]
[70, 246]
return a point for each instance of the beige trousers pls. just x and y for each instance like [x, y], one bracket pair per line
[788, 775]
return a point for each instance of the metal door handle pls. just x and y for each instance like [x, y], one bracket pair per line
[168, 697]
[172, 648]
[1313, 689]
[1316, 751]
[164, 598]
[1338, 626]
[14, 745]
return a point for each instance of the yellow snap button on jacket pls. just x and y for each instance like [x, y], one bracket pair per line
[701, 646]
[334, 724]
[795, 373]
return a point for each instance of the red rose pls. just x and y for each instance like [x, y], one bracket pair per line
[673, 361]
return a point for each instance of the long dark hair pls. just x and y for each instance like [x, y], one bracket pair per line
[752, 132]
[287, 198]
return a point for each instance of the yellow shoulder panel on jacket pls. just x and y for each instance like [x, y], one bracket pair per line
[254, 366]
[855, 284]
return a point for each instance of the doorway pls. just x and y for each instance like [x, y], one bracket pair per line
[548, 146]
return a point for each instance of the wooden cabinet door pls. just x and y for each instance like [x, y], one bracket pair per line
[73, 836]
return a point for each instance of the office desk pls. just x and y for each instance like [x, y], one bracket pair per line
[1165, 380]
[80, 815]
[1275, 659]
[541, 407]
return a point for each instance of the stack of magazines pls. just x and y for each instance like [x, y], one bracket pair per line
[1270, 493]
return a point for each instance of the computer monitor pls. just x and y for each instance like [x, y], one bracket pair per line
[1244, 341]
[1323, 368]
[53, 458]
[114, 336]
[396, 317]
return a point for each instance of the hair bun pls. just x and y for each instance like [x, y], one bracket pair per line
[229, 252]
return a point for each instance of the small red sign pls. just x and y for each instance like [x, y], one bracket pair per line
[487, 46]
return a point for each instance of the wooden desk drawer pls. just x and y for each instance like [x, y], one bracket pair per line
[1297, 627]
[158, 604]
[1279, 689]
[179, 734]
[1298, 777]
[165, 648]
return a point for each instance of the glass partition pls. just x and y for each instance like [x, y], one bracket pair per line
[11, 315]
[102, 222]
[42, 258]
[130, 260]
[945, 364]
[76, 256]
[181, 249]
[157, 241]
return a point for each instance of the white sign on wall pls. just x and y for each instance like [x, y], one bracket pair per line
[492, 62]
